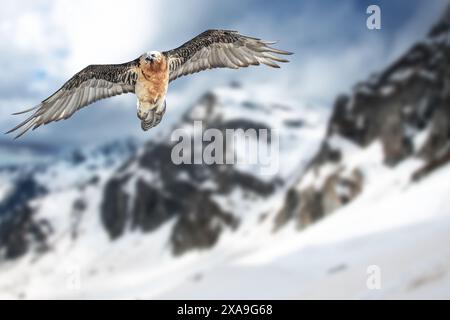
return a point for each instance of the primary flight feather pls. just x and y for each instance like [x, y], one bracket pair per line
[149, 75]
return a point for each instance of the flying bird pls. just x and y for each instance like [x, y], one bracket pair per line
[149, 75]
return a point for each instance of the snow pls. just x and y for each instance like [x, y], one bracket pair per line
[428, 75]
[400, 227]
[420, 139]
[406, 239]
[5, 188]
[402, 75]
[387, 90]
[386, 226]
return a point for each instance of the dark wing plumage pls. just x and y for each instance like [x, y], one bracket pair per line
[220, 49]
[93, 83]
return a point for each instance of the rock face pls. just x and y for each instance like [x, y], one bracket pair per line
[410, 96]
[18, 228]
[406, 108]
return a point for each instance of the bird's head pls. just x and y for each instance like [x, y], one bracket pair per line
[151, 57]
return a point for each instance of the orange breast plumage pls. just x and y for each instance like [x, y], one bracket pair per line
[152, 81]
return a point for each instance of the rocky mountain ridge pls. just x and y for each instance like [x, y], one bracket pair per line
[405, 110]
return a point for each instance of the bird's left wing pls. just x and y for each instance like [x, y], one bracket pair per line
[220, 49]
[93, 83]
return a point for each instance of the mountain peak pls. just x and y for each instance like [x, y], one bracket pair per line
[442, 26]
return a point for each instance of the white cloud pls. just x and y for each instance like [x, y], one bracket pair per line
[105, 31]
[45, 42]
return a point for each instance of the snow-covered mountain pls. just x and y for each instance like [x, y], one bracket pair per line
[23, 225]
[364, 195]
[203, 200]
[399, 115]
[14, 155]
[91, 208]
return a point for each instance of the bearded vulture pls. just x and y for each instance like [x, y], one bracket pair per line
[149, 75]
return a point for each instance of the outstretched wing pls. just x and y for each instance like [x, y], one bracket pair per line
[93, 83]
[220, 49]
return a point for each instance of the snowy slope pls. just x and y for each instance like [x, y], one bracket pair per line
[384, 226]
[350, 241]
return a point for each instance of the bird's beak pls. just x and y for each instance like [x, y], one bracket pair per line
[149, 59]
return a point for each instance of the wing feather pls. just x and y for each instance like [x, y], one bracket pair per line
[221, 49]
[91, 84]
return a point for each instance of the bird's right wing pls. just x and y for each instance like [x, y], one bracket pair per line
[93, 83]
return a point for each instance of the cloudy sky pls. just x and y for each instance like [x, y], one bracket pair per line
[43, 43]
